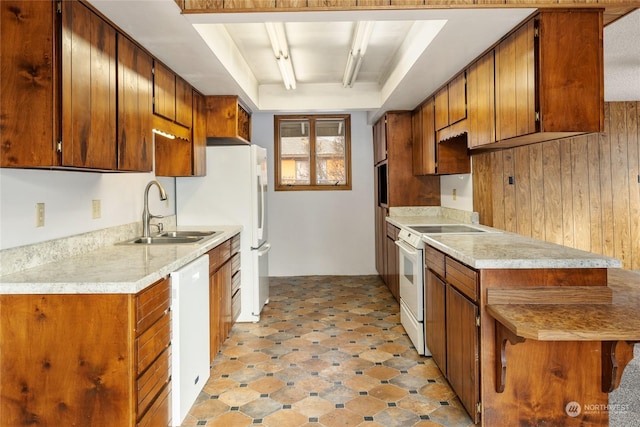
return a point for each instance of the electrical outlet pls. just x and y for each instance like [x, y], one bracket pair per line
[96, 210]
[455, 194]
[39, 214]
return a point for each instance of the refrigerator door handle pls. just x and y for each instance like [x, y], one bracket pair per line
[264, 249]
[262, 191]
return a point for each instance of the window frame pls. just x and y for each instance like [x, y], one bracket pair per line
[312, 186]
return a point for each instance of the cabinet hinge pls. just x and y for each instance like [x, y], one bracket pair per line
[59, 146]
[59, 7]
[536, 32]
[478, 321]
[479, 407]
[537, 116]
[153, 70]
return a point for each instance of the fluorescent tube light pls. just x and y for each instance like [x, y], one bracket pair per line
[278, 39]
[358, 49]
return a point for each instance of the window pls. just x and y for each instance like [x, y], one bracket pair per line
[312, 152]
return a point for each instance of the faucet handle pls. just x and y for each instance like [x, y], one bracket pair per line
[159, 225]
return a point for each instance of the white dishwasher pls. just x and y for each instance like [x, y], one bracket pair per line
[190, 341]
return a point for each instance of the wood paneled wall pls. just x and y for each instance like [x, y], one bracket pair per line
[581, 192]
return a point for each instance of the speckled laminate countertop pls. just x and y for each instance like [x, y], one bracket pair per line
[499, 249]
[112, 269]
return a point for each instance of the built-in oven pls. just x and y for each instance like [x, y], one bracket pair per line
[411, 275]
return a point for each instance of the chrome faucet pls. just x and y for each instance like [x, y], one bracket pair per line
[146, 215]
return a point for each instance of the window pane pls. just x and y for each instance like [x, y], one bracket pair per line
[294, 152]
[330, 152]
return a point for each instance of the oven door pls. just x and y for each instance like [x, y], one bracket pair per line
[411, 272]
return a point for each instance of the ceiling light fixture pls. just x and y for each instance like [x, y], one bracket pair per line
[358, 49]
[278, 39]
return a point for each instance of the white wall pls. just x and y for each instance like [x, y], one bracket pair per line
[322, 232]
[463, 186]
[68, 202]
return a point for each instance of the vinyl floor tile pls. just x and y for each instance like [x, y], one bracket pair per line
[328, 351]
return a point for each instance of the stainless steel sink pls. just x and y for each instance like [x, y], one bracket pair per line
[164, 240]
[172, 238]
[186, 233]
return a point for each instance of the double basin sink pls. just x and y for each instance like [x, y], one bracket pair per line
[172, 238]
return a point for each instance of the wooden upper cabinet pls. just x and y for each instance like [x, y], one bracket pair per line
[228, 122]
[481, 99]
[28, 100]
[424, 139]
[199, 133]
[442, 108]
[379, 141]
[436, 158]
[185, 156]
[135, 93]
[451, 102]
[184, 102]
[457, 89]
[164, 91]
[549, 78]
[88, 89]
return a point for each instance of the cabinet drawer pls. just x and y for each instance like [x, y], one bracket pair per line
[462, 277]
[434, 260]
[235, 304]
[150, 383]
[235, 282]
[152, 342]
[235, 244]
[219, 255]
[392, 231]
[152, 304]
[159, 414]
[235, 263]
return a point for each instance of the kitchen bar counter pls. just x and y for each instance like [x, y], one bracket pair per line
[113, 269]
[497, 249]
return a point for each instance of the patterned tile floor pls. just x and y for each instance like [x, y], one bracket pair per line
[328, 351]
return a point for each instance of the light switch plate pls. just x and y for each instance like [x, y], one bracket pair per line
[96, 209]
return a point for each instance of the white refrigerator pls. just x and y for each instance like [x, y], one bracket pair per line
[234, 192]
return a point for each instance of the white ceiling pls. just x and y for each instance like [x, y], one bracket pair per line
[229, 53]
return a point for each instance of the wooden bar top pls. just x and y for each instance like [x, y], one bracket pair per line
[569, 322]
[557, 320]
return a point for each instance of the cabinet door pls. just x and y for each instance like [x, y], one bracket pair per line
[429, 160]
[381, 241]
[393, 253]
[442, 109]
[88, 89]
[184, 102]
[135, 91]
[199, 135]
[434, 311]
[424, 139]
[27, 84]
[379, 141]
[458, 98]
[481, 100]
[515, 84]
[214, 315]
[462, 350]
[164, 91]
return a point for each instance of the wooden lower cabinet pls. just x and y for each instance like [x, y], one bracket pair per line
[224, 285]
[86, 359]
[392, 260]
[540, 377]
[435, 319]
[462, 350]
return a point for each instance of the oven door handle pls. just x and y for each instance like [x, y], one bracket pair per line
[408, 249]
